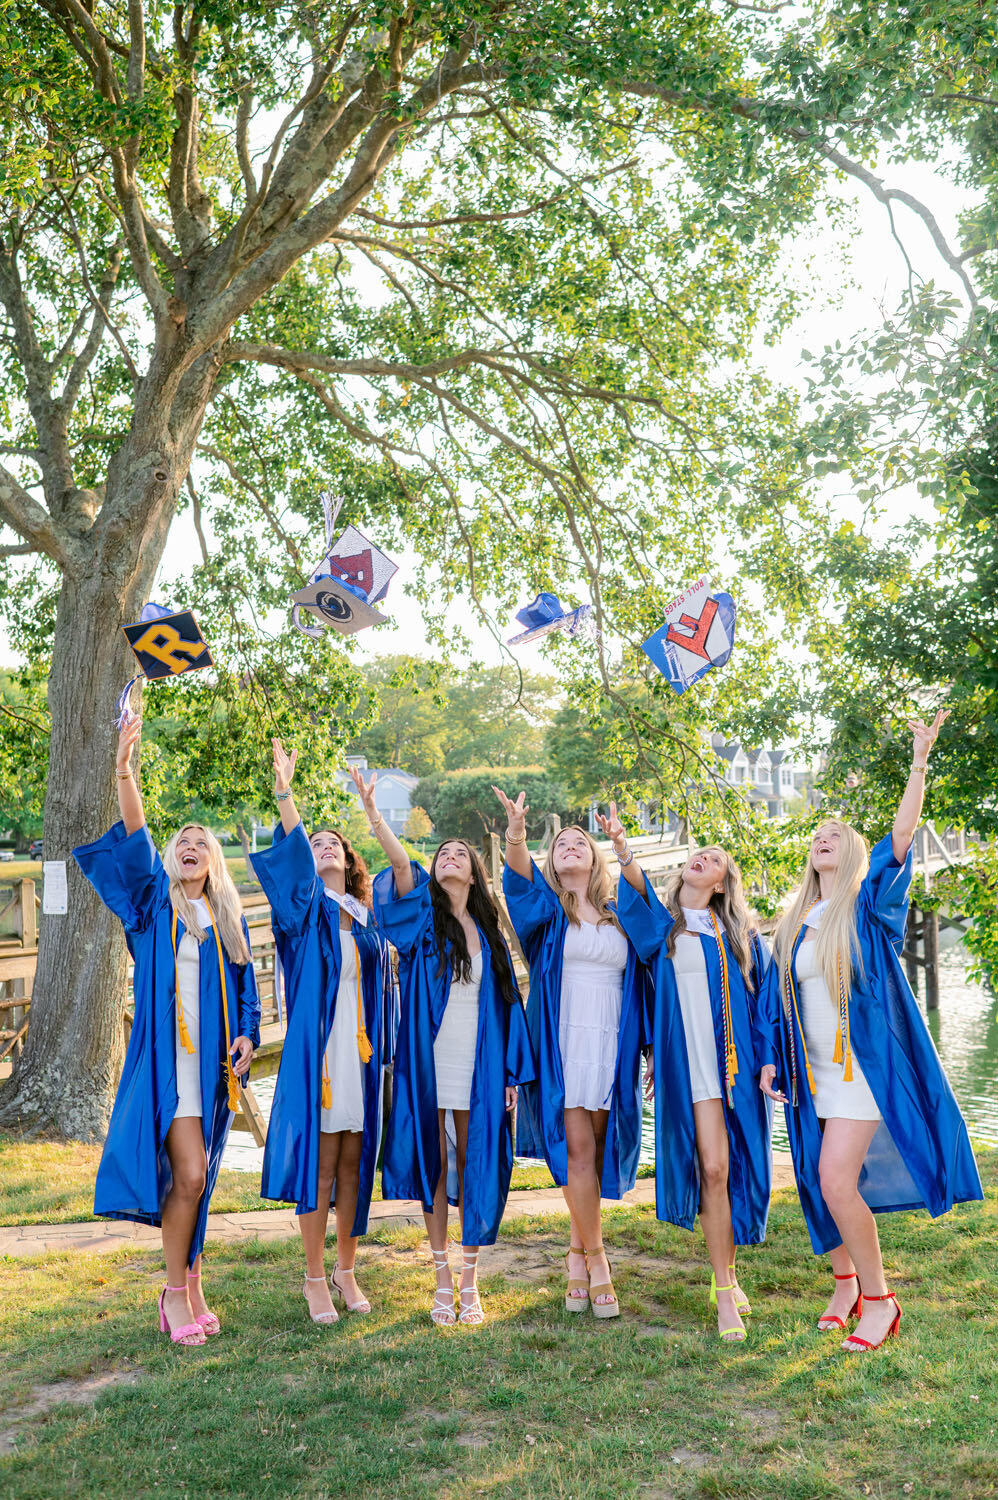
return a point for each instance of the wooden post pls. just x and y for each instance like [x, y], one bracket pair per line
[930, 938]
[27, 919]
[911, 948]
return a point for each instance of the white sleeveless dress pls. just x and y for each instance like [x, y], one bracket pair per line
[342, 1058]
[690, 968]
[456, 1041]
[819, 1014]
[189, 978]
[592, 987]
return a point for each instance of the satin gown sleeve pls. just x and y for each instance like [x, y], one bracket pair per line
[531, 904]
[247, 997]
[644, 919]
[884, 891]
[287, 873]
[403, 919]
[127, 873]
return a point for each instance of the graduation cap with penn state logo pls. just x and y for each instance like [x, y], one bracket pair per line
[165, 643]
[341, 592]
[546, 614]
[697, 635]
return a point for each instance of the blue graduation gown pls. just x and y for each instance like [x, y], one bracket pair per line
[306, 927]
[412, 1164]
[541, 924]
[134, 1175]
[920, 1156]
[748, 1118]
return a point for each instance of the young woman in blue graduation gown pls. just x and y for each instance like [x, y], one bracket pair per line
[462, 1050]
[197, 1020]
[325, 1123]
[872, 1120]
[585, 1017]
[712, 1125]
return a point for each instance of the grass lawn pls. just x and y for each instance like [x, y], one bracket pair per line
[534, 1404]
[49, 1182]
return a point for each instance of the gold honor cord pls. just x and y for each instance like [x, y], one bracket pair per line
[364, 1049]
[730, 1054]
[185, 1037]
[792, 1009]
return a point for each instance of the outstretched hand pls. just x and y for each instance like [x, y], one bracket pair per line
[284, 766]
[611, 827]
[767, 1078]
[516, 812]
[365, 790]
[128, 738]
[926, 735]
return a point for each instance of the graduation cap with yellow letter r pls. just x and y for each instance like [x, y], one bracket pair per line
[166, 643]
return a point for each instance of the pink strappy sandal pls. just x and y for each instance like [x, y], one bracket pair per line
[190, 1335]
[207, 1320]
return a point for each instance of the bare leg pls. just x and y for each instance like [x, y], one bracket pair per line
[185, 1148]
[347, 1191]
[313, 1226]
[470, 1309]
[715, 1205]
[436, 1232]
[843, 1150]
[585, 1132]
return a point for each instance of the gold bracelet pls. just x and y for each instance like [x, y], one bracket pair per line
[377, 825]
[123, 775]
[918, 770]
[512, 838]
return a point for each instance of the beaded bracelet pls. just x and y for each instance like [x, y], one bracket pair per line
[623, 863]
[513, 838]
[283, 796]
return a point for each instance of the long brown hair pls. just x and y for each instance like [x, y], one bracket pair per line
[358, 876]
[482, 910]
[729, 907]
[599, 890]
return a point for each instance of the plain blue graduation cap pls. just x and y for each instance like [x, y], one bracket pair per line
[165, 643]
[546, 614]
[698, 634]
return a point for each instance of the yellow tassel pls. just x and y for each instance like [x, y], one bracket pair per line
[732, 1063]
[327, 1092]
[185, 1036]
[810, 1075]
[233, 1091]
[364, 1048]
[847, 1071]
[837, 1054]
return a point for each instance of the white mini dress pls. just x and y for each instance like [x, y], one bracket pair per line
[592, 987]
[834, 1099]
[456, 1041]
[342, 1059]
[690, 968]
[189, 981]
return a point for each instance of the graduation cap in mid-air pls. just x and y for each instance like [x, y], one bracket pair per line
[698, 633]
[546, 614]
[341, 592]
[166, 643]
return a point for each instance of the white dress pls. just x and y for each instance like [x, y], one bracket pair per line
[819, 1014]
[342, 1060]
[456, 1042]
[592, 987]
[690, 968]
[189, 977]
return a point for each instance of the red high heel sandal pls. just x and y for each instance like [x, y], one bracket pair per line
[831, 1320]
[864, 1344]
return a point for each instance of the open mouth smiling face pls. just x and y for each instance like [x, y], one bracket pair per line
[825, 848]
[327, 851]
[192, 853]
[706, 870]
[453, 862]
[571, 852]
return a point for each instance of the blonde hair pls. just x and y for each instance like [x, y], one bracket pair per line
[219, 892]
[599, 890]
[837, 944]
[730, 908]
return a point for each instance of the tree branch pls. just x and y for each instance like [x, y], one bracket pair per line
[32, 521]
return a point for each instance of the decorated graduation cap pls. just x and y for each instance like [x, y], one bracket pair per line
[546, 614]
[341, 592]
[166, 643]
[698, 634]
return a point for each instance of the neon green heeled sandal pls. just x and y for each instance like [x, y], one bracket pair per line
[727, 1335]
[742, 1304]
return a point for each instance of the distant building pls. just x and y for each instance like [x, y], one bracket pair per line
[392, 790]
[774, 777]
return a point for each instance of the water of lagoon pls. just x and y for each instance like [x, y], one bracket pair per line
[964, 1030]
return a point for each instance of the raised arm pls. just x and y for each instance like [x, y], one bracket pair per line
[129, 797]
[397, 857]
[613, 829]
[517, 853]
[284, 770]
[910, 808]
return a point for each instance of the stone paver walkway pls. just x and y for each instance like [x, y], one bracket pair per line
[281, 1223]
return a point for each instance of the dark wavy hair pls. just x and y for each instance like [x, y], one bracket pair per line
[358, 877]
[483, 911]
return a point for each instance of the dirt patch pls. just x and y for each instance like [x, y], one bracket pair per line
[61, 1393]
[689, 1459]
[764, 1422]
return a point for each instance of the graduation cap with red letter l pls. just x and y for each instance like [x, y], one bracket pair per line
[341, 592]
[166, 643]
[698, 634]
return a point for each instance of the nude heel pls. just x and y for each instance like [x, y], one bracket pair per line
[602, 1309]
[576, 1284]
[324, 1318]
